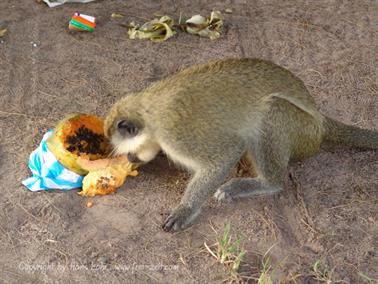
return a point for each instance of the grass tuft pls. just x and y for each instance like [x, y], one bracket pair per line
[227, 251]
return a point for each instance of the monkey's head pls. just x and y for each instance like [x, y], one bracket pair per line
[125, 127]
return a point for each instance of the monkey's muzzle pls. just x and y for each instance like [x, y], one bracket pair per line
[132, 158]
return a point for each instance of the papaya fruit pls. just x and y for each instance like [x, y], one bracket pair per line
[79, 135]
[105, 175]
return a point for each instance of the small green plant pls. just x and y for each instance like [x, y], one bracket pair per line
[227, 251]
[320, 273]
[266, 271]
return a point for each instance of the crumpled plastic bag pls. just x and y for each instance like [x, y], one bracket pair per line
[156, 30]
[47, 172]
[54, 3]
[210, 27]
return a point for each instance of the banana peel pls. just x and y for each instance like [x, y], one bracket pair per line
[3, 31]
[210, 27]
[157, 30]
[105, 176]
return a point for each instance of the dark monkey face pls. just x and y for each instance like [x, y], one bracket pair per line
[127, 128]
[128, 135]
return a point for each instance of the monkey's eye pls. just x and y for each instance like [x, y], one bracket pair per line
[127, 128]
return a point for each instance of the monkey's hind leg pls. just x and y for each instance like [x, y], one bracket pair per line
[271, 169]
[264, 184]
[245, 187]
[271, 153]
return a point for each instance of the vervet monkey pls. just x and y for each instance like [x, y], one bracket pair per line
[206, 117]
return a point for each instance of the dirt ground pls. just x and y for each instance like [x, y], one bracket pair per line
[327, 213]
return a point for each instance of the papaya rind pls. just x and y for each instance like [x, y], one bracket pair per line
[56, 146]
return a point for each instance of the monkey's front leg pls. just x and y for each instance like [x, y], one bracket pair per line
[206, 180]
[203, 185]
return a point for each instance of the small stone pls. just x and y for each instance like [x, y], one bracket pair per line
[103, 259]
[228, 11]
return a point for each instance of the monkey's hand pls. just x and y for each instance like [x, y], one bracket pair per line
[180, 218]
[204, 183]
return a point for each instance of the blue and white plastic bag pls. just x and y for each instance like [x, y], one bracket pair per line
[47, 172]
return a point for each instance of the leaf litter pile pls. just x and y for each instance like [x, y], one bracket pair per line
[159, 30]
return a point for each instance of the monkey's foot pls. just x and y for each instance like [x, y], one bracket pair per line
[244, 187]
[223, 195]
[180, 218]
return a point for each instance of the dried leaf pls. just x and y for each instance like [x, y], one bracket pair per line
[156, 30]
[158, 14]
[210, 27]
[3, 31]
[117, 15]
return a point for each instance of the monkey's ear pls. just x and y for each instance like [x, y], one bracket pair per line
[127, 128]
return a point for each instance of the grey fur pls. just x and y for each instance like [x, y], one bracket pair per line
[206, 117]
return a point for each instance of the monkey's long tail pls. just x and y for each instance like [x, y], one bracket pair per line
[338, 133]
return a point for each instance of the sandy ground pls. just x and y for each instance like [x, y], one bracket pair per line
[328, 211]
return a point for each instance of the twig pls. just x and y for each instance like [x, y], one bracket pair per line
[210, 251]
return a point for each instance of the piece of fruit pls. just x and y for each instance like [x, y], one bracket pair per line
[78, 135]
[105, 175]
